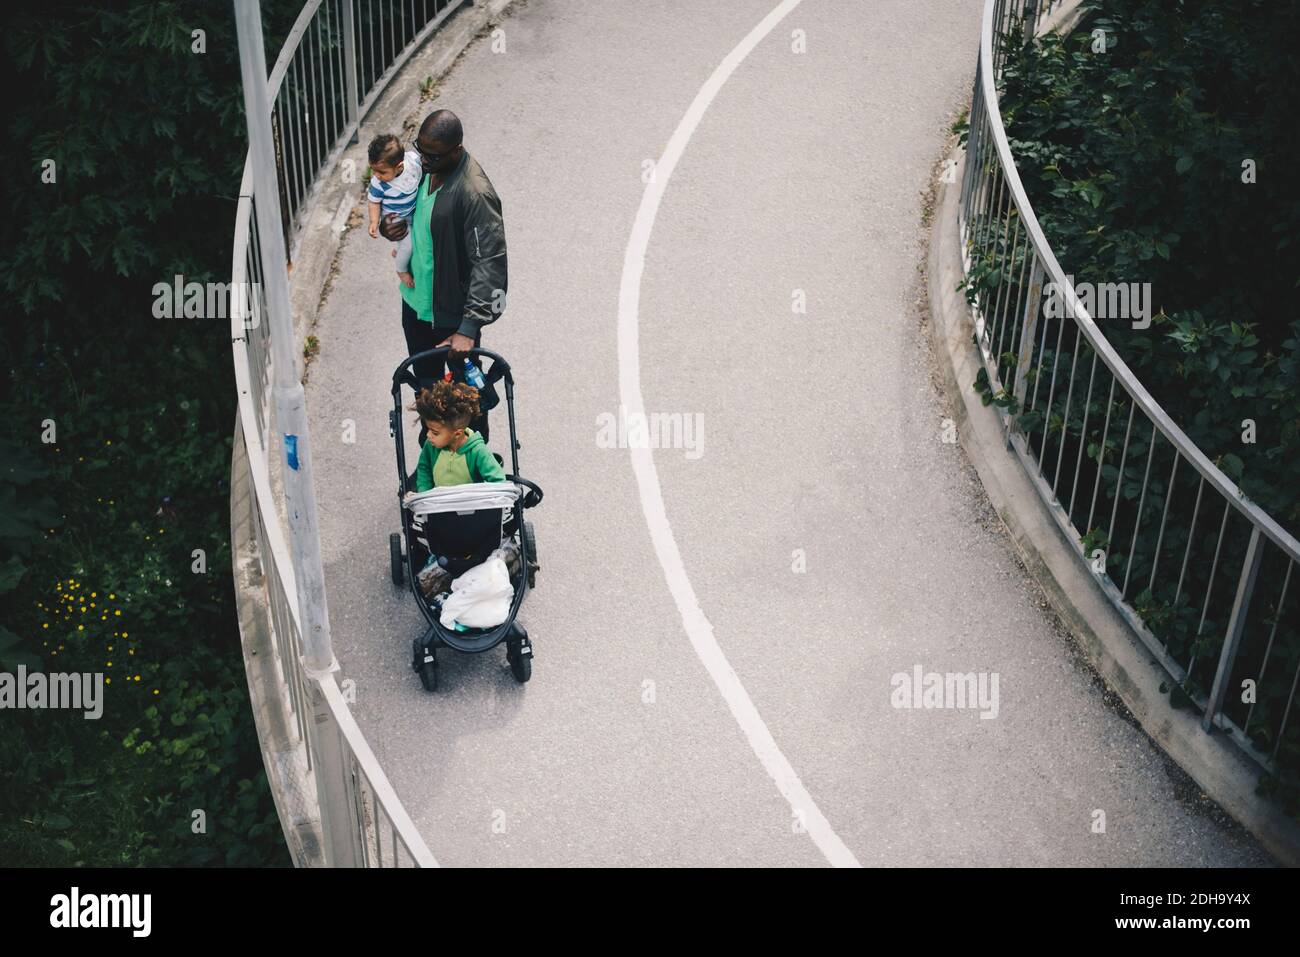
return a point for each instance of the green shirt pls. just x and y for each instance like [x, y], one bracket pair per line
[421, 297]
[472, 462]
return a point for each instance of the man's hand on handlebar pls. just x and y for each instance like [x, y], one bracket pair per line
[459, 346]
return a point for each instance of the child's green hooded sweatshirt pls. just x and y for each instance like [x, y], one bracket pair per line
[472, 462]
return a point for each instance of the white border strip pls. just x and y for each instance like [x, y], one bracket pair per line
[652, 504]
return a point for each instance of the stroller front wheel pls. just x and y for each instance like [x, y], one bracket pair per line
[521, 668]
[519, 652]
[424, 662]
[429, 676]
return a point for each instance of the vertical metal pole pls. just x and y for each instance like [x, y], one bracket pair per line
[1027, 329]
[1010, 321]
[1029, 19]
[1240, 605]
[1083, 444]
[350, 68]
[968, 161]
[291, 417]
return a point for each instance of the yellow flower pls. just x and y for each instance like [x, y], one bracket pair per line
[83, 607]
[94, 594]
[45, 625]
[123, 634]
[108, 681]
[137, 677]
[81, 628]
[108, 441]
[117, 611]
[111, 596]
[109, 663]
[155, 690]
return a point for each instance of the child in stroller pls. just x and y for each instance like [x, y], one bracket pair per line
[465, 524]
[452, 454]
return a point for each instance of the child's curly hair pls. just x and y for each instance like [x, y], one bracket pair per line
[454, 404]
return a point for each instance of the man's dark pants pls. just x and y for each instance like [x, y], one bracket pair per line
[421, 337]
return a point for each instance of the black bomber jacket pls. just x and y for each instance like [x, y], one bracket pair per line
[469, 250]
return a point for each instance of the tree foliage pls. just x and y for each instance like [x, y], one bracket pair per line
[147, 141]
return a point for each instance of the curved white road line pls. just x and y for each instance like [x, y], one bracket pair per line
[652, 503]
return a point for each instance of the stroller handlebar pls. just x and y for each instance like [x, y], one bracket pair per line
[500, 367]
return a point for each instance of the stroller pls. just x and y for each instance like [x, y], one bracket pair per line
[467, 526]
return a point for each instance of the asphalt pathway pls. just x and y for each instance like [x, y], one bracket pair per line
[828, 534]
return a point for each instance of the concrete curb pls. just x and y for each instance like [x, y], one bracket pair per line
[323, 232]
[1215, 764]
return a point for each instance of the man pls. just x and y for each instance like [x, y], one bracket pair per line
[458, 255]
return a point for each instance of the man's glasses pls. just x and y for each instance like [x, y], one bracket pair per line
[429, 158]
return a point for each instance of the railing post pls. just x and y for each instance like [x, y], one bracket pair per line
[1029, 21]
[975, 133]
[1033, 305]
[291, 421]
[1240, 606]
[351, 94]
[340, 818]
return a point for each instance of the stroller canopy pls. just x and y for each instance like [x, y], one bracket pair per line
[464, 498]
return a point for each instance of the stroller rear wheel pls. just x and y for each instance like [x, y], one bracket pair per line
[395, 559]
[529, 536]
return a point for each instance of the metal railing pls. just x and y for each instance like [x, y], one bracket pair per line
[1200, 572]
[337, 59]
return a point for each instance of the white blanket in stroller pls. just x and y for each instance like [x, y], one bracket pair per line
[480, 598]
